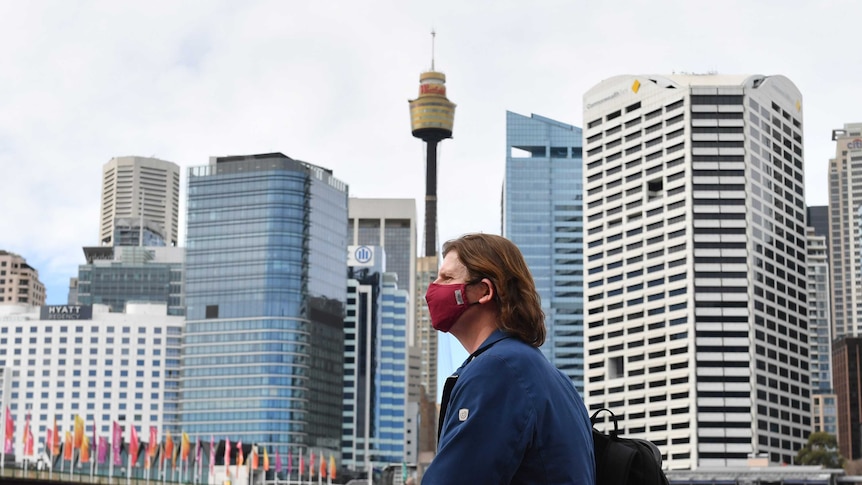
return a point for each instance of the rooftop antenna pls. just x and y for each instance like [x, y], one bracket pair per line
[433, 35]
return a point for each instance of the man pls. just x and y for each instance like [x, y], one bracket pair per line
[507, 416]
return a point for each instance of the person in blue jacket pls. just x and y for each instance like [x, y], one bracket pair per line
[508, 416]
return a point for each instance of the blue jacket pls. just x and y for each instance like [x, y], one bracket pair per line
[512, 418]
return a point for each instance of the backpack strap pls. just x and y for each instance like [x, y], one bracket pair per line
[595, 417]
[450, 384]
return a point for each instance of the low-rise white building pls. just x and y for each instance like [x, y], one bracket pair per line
[59, 361]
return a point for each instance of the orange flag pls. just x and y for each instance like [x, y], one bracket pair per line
[169, 446]
[68, 447]
[79, 431]
[185, 446]
[55, 442]
[322, 466]
[85, 449]
[331, 467]
[265, 460]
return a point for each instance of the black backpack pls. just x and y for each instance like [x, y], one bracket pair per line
[625, 461]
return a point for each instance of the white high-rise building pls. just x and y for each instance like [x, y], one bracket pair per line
[845, 226]
[695, 315]
[140, 189]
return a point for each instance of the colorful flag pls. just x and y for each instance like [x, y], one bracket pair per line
[311, 464]
[198, 453]
[28, 446]
[254, 458]
[265, 460]
[171, 450]
[49, 440]
[322, 466]
[331, 467]
[79, 431]
[134, 444]
[301, 464]
[185, 447]
[226, 452]
[117, 444]
[55, 444]
[239, 457]
[278, 461]
[67, 447]
[85, 449]
[212, 455]
[102, 452]
[199, 458]
[153, 444]
[26, 429]
[163, 454]
[10, 431]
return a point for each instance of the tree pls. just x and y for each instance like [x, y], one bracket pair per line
[822, 449]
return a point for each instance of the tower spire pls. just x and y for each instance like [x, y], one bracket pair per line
[433, 36]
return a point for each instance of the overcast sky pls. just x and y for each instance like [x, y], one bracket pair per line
[328, 83]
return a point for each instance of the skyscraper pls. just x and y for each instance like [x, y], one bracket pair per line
[391, 223]
[696, 319]
[375, 425]
[140, 189]
[265, 292]
[543, 215]
[845, 223]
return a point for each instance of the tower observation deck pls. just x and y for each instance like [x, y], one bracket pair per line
[432, 116]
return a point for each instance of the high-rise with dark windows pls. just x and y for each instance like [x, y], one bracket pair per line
[266, 283]
[543, 215]
[696, 315]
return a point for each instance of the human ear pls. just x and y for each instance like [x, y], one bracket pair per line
[487, 292]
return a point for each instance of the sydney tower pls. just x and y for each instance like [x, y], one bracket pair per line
[431, 117]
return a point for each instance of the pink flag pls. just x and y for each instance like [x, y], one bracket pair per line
[117, 444]
[227, 456]
[212, 455]
[278, 461]
[134, 444]
[102, 453]
[10, 431]
[198, 454]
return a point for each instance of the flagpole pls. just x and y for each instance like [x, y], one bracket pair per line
[3, 449]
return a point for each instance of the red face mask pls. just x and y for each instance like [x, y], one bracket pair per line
[446, 304]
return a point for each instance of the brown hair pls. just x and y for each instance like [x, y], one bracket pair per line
[499, 260]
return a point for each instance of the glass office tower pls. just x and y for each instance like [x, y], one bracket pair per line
[542, 214]
[375, 426]
[265, 294]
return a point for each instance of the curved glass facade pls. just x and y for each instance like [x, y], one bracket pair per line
[265, 292]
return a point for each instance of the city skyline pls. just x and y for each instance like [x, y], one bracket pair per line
[263, 77]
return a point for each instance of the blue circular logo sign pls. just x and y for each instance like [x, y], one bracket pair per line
[363, 254]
